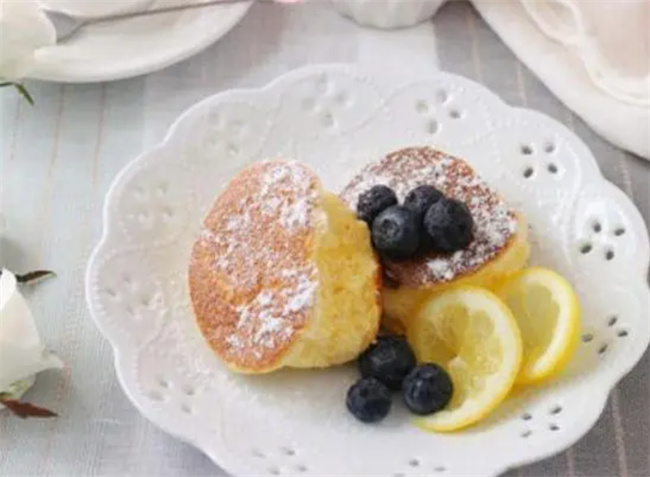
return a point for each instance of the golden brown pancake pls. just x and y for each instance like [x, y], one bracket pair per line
[499, 246]
[263, 277]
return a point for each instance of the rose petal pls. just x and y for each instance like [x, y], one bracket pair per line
[24, 30]
[21, 352]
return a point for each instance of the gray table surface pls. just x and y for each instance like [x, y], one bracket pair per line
[59, 158]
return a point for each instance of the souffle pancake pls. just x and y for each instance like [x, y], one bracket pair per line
[283, 273]
[500, 235]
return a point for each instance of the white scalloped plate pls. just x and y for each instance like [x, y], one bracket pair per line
[337, 118]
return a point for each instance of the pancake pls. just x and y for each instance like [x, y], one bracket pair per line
[283, 274]
[499, 248]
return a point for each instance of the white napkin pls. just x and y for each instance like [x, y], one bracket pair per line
[593, 55]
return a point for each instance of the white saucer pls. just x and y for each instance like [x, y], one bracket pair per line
[134, 47]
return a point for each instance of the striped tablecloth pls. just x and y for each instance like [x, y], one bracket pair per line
[59, 158]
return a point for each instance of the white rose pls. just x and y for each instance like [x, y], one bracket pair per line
[24, 29]
[22, 355]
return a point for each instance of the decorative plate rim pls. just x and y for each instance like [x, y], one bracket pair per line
[123, 351]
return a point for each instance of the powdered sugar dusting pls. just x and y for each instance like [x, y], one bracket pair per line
[494, 222]
[258, 235]
[440, 267]
[303, 296]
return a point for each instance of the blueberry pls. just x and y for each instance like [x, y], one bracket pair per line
[369, 400]
[389, 360]
[395, 233]
[374, 201]
[449, 225]
[420, 199]
[427, 389]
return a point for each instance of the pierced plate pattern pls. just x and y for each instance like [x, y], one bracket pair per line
[336, 119]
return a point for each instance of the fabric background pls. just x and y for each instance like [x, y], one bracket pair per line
[58, 158]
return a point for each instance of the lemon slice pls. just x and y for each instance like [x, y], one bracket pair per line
[472, 334]
[548, 314]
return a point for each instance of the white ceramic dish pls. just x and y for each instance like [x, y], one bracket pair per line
[388, 13]
[124, 49]
[337, 118]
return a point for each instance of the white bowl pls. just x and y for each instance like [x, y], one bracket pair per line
[388, 13]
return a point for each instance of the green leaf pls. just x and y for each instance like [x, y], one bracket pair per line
[21, 89]
[24, 93]
[35, 276]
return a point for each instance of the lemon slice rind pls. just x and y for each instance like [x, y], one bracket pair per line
[496, 385]
[567, 326]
